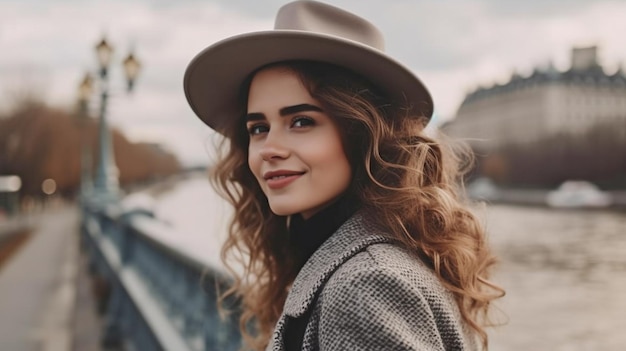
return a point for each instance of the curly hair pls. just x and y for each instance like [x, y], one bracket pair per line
[409, 180]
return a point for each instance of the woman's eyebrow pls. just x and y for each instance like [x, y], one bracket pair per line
[254, 116]
[285, 111]
[290, 110]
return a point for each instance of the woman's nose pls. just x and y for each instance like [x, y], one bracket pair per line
[274, 147]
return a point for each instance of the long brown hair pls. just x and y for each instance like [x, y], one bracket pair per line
[411, 181]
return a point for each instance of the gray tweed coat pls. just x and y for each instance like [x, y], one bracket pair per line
[367, 293]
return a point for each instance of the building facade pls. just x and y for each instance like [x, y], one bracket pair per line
[546, 103]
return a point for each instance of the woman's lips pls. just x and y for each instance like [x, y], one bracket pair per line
[280, 179]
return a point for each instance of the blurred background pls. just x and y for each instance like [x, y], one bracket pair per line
[103, 165]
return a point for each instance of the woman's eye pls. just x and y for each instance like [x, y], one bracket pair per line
[257, 129]
[300, 122]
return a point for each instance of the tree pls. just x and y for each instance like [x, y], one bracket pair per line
[39, 142]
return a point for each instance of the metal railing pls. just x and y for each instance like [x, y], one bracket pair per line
[153, 296]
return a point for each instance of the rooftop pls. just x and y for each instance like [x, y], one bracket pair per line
[585, 70]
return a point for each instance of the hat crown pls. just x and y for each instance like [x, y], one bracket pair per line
[317, 17]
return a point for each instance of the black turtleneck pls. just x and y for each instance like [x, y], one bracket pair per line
[306, 236]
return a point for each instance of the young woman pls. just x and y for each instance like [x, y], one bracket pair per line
[348, 221]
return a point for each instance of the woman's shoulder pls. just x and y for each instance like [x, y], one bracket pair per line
[386, 289]
[383, 267]
[388, 261]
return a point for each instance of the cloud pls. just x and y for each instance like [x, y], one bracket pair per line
[536, 9]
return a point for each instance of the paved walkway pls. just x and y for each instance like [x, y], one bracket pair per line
[87, 325]
[38, 286]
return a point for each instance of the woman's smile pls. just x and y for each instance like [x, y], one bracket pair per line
[281, 178]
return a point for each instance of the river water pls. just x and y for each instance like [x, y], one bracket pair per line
[564, 271]
[565, 276]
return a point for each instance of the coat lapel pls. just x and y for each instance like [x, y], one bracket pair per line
[352, 237]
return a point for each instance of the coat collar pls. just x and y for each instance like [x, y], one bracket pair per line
[352, 237]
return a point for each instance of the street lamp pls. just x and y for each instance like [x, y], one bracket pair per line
[85, 90]
[106, 185]
[131, 68]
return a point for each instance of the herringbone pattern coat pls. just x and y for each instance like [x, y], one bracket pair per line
[366, 293]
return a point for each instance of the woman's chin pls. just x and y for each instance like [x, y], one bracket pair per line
[283, 210]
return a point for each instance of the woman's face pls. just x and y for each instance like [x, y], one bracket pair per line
[295, 150]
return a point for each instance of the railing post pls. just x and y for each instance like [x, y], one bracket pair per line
[126, 239]
[113, 335]
[220, 334]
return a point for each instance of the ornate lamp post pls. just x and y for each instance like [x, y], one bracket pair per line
[85, 90]
[106, 185]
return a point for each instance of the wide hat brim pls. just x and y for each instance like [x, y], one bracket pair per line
[215, 76]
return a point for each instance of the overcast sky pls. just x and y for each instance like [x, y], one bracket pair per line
[453, 45]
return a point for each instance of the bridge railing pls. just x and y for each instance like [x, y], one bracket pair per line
[154, 296]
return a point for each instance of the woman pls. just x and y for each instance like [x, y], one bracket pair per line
[348, 221]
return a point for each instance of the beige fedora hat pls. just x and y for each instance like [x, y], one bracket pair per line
[304, 30]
